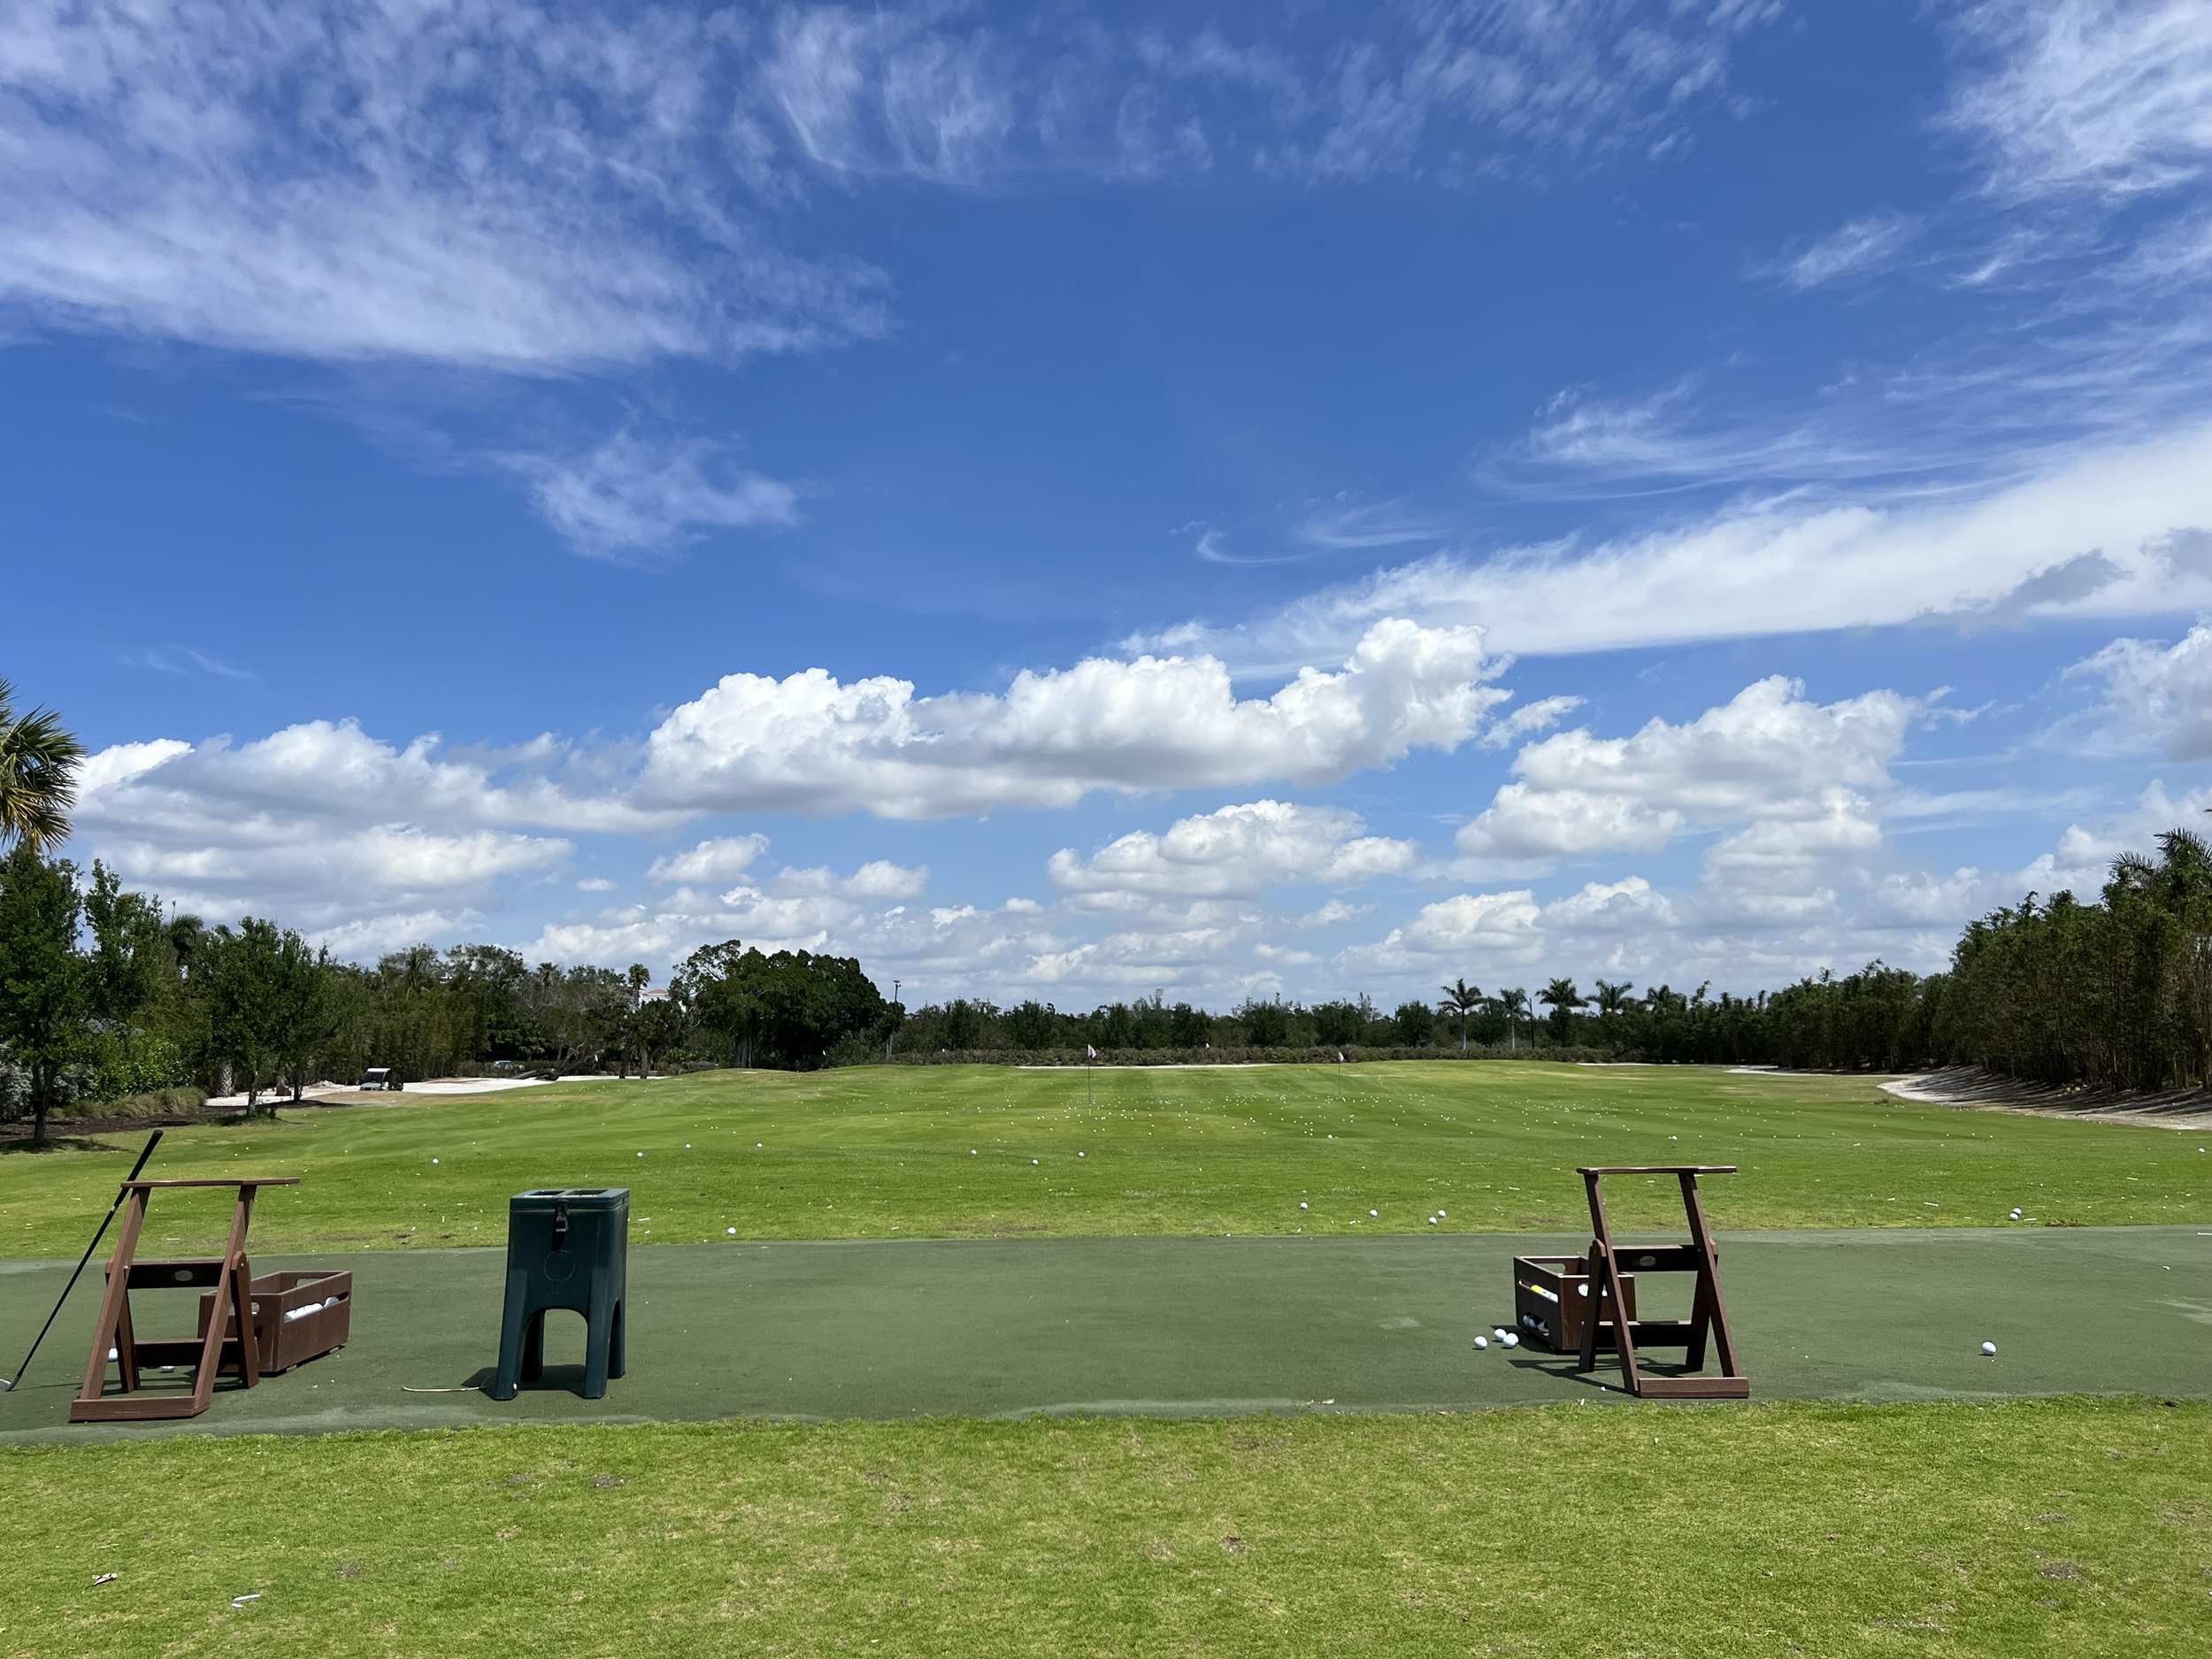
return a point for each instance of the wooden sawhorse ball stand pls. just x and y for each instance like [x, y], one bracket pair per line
[230, 1277]
[1706, 1314]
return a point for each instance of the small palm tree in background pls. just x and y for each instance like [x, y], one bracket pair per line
[1611, 1000]
[1562, 999]
[1513, 1004]
[38, 775]
[1462, 999]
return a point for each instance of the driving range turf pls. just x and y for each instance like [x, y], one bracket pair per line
[947, 1152]
[1015, 1349]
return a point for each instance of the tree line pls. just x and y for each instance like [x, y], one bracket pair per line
[105, 996]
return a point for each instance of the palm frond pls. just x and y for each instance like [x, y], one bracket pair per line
[39, 758]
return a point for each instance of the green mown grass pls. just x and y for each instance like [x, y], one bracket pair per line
[2023, 1529]
[888, 1152]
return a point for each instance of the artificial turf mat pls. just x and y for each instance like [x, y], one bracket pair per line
[886, 1330]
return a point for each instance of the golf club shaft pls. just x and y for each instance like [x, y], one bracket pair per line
[152, 1141]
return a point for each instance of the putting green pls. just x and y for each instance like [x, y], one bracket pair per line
[985, 1328]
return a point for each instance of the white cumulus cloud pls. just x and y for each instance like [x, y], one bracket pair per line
[1237, 850]
[813, 743]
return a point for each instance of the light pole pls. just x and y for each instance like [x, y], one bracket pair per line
[892, 1035]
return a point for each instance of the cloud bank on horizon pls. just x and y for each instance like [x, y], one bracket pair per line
[1322, 501]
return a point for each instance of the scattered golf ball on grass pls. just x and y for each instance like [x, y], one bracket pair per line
[1989, 1350]
[731, 1230]
[1482, 1341]
[1510, 1340]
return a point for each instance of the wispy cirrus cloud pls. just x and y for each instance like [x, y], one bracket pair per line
[1787, 563]
[938, 96]
[454, 185]
[1859, 249]
[631, 497]
[184, 659]
[539, 193]
[2106, 98]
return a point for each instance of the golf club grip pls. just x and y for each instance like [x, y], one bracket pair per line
[152, 1141]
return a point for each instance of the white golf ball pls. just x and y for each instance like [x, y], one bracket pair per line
[2015, 1215]
[1510, 1339]
[1443, 1215]
[1302, 1203]
[731, 1230]
[1498, 1332]
[971, 1151]
[1033, 1161]
[1432, 1221]
[434, 1160]
[1482, 1341]
[1374, 1212]
[641, 1155]
[1989, 1350]
[1082, 1154]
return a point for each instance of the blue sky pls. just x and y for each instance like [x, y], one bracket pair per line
[1084, 500]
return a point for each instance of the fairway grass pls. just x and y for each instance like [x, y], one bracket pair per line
[2065, 1527]
[976, 1151]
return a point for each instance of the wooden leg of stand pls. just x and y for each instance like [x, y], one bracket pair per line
[1708, 1277]
[1606, 1295]
[1596, 1312]
[248, 1336]
[126, 1347]
[112, 1304]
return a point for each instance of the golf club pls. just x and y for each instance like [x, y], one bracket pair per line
[152, 1141]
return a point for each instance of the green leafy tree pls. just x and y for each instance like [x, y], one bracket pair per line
[44, 984]
[303, 1008]
[1338, 1022]
[1416, 1023]
[131, 956]
[243, 965]
[1189, 1027]
[39, 759]
[1029, 1025]
[1266, 1025]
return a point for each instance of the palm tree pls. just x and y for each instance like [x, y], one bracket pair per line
[1462, 999]
[1611, 999]
[1562, 999]
[38, 775]
[1513, 1004]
